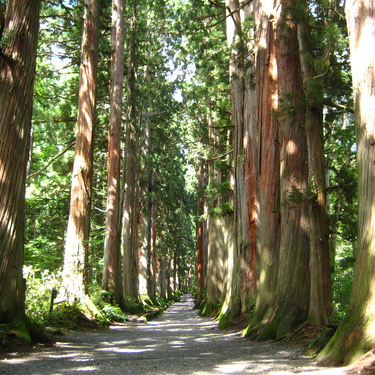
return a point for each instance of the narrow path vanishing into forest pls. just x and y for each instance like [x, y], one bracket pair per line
[178, 342]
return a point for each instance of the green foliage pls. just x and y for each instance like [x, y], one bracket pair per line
[341, 162]
[72, 317]
[209, 309]
[39, 286]
[342, 281]
[106, 304]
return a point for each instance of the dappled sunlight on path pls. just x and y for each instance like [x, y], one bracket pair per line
[179, 342]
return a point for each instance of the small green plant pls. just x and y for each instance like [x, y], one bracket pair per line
[39, 287]
[133, 305]
[106, 303]
[342, 280]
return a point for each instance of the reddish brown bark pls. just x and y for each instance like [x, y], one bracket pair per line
[112, 275]
[131, 167]
[17, 73]
[77, 238]
[269, 176]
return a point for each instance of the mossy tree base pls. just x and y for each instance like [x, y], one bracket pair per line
[352, 340]
[274, 325]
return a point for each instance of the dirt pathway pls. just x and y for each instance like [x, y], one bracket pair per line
[177, 343]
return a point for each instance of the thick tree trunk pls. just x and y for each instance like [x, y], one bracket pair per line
[240, 281]
[112, 275]
[200, 236]
[163, 278]
[320, 272]
[269, 170]
[291, 301]
[220, 240]
[76, 246]
[145, 193]
[131, 202]
[145, 226]
[356, 335]
[17, 73]
[130, 219]
[144, 248]
[154, 261]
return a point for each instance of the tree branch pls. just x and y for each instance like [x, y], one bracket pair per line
[52, 160]
[231, 12]
[219, 156]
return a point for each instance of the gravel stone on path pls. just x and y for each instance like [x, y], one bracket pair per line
[178, 342]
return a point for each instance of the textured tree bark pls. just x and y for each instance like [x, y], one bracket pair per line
[76, 245]
[112, 275]
[320, 271]
[17, 73]
[219, 240]
[131, 202]
[200, 236]
[356, 334]
[266, 128]
[240, 282]
[291, 300]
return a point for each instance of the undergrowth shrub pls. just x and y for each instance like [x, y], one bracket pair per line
[342, 279]
[106, 304]
[39, 287]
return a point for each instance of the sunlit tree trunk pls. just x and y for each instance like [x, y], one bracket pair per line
[246, 159]
[219, 224]
[112, 275]
[144, 243]
[356, 333]
[145, 193]
[131, 203]
[17, 73]
[241, 261]
[76, 245]
[264, 133]
[154, 261]
[200, 266]
[291, 300]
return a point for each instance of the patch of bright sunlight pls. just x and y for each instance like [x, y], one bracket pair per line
[232, 368]
[86, 368]
[123, 350]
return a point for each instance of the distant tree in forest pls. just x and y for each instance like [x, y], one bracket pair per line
[77, 238]
[112, 275]
[19, 25]
[131, 204]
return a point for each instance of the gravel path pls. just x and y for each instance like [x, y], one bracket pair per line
[179, 342]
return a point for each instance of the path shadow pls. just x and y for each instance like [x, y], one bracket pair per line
[179, 342]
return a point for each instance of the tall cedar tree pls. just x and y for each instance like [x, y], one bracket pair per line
[320, 272]
[112, 276]
[245, 257]
[77, 238]
[131, 201]
[19, 28]
[262, 166]
[356, 333]
[288, 283]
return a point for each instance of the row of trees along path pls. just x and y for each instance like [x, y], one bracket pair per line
[179, 342]
[270, 90]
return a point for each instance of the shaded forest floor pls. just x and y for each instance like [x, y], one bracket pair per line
[177, 342]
